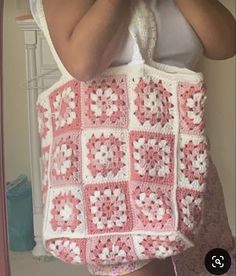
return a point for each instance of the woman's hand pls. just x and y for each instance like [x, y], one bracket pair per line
[214, 25]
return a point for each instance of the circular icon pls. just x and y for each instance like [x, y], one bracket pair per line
[217, 261]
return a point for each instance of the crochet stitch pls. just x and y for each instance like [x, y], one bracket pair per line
[125, 158]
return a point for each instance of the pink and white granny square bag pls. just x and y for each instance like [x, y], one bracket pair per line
[125, 157]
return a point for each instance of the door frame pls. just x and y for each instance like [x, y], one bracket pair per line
[4, 250]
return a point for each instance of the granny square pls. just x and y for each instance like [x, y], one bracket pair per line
[65, 107]
[108, 208]
[158, 246]
[152, 206]
[105, 102]
[110, 249]
[105, 155]
[68, 250]
[152, 105]
[65, 211]
[190, 204]
[193, 162]
[44, 122]
[152, 157]
[65, 160]
[192, 97]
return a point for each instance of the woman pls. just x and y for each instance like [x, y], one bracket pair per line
[90, 36]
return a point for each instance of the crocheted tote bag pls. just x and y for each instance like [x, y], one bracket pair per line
[124, 157]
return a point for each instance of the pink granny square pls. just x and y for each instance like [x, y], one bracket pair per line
[152, 206]
[190, 204]
[108, 208]
[105, 102]
[158, 246]
[65, 107]
[65, 165]
[105, 155]
[65, 211]
[68, 250]
[154, 104]
[193, 162]
[192, 99]
[110, 249]
[152, 157]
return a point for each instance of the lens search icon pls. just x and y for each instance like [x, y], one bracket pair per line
[217, 261]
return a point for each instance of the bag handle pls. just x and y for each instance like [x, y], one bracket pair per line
[143, 30]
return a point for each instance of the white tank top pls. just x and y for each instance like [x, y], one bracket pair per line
[177, 43]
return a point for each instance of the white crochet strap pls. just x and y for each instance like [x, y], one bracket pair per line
[142, 28]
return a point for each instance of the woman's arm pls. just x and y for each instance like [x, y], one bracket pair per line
[214, 25]
[86, 33]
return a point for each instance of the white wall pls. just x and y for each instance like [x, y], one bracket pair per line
[15, 111]
[220, 111]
